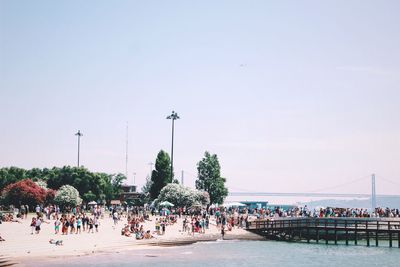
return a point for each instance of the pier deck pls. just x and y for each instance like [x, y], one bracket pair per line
[329, 229]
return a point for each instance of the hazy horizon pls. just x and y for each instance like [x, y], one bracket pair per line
[292, 96]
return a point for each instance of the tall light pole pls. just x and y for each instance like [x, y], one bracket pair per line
[79, 134]
[174, 116]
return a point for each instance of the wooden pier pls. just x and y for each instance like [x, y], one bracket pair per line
[330, 230]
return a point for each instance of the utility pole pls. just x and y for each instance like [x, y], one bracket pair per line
[79, 134]
[126, 153]
[182, 178]
[174, 116]
[373, 194]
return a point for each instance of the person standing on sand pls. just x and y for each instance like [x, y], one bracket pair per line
[27, 211]
[72, 224]
[90, 224]
[57, 224]
[78, 225]
[163, 227]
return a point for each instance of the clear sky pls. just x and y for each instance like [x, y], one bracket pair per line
[293, 96]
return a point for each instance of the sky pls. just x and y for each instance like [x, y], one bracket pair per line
[293, 96]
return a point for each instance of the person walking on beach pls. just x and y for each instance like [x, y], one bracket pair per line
[33, 225]
[37, 209]
[96, 223]
[115, 217]
[37, 225]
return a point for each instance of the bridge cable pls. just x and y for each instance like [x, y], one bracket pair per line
[340, 185]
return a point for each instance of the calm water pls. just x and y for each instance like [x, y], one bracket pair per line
[245, 253]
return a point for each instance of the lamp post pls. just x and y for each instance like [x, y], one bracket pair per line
[79, 134]
[174, 116]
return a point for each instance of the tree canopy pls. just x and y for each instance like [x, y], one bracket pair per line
[67, 196]
[91, 185]
[161, 176]
[25, 192]
[209, 178]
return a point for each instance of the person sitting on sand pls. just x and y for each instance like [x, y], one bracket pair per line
[56, 242]
[125, 231]
[147, 235]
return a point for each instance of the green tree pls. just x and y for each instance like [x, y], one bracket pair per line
[11, 175]
[161, 176]
[146, 190]
[91, 186]
[209, 178]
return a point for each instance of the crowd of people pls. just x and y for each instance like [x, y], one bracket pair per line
[194, 220]
[323, 212]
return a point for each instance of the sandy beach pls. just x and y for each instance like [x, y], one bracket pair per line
[21, 247]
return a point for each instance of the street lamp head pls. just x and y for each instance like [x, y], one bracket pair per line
[173, 116]
[79, 133]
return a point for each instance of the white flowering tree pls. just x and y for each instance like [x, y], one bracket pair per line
[42, 184]
[67, 196]
[182, 196]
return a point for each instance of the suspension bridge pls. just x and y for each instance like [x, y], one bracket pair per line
[373, 196]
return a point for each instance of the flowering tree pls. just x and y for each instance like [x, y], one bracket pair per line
[182, 196]
[42, 184]
[67, 196]
[24, 192]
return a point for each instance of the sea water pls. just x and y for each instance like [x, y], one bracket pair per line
[244, 253]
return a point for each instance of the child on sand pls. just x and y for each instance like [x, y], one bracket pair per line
[33, 225]
[57, 224]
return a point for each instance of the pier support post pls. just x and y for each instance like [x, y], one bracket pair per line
[335, 232]
[367, 232]
[326, 233]
[376, 234]
[390, 235]
[355, 233]
[398, 239]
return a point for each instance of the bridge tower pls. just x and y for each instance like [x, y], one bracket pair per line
[373, 193]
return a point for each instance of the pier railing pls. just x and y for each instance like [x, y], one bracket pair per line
[329, 229]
